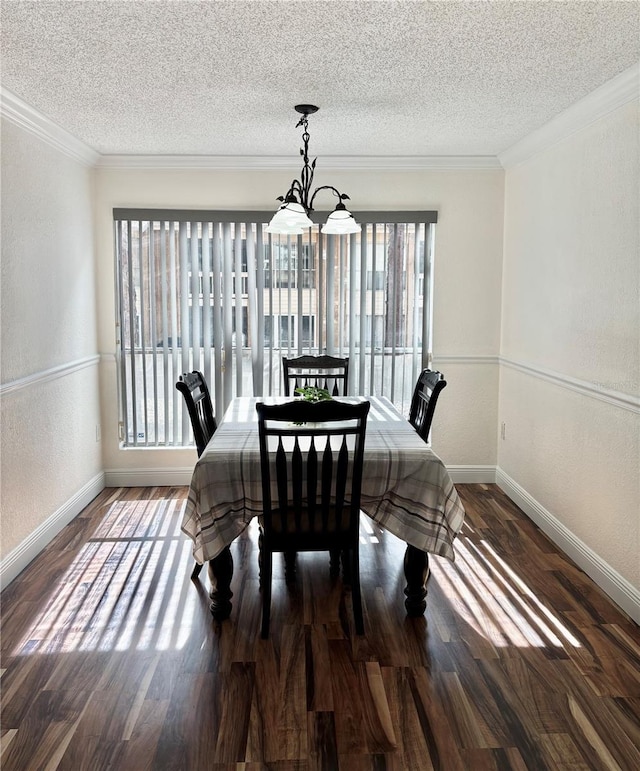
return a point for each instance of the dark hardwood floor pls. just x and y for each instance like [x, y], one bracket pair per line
[110, 657]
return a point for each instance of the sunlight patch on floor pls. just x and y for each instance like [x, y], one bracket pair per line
[495, 601]
[127, 588]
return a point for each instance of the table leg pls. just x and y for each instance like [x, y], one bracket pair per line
[334, 563]
[220, 575]
[290, 565]
[416, 571]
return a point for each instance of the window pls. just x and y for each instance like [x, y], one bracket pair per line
[213, 291]
[282, 269]
[286, 331]
[379, 279]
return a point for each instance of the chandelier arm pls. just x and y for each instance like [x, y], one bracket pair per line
[341, 196]
[295, 194]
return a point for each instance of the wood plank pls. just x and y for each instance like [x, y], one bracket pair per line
[292, 722]
[323, 751]
[237, 689]
[6, 738]
[263, 740]
[347, 700]
[139, 748]
[379, 728]
[318, 669]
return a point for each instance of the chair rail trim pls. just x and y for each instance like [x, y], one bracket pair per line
[46, 375]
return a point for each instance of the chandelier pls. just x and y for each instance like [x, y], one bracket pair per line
[293, 216]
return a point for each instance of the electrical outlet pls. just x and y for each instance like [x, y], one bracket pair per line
[503, 430]
[97, 432]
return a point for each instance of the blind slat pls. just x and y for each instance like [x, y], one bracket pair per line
[163, 288]
[194, 264]
[353, 264]
[121, 336]
[207, 319]
[152, 332]
[143, 310]
[173, 304]
[374, 248]
[217, 319]
[363, 312]
[299, 300]
[237, 247]
[133, 427]
[227, 315]
[185, 332]
[331, 285]
[256, 350]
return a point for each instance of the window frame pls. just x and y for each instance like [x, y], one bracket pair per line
[317, 258]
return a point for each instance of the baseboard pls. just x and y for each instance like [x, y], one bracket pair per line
[17, 560]
[148, 477]
[468, 475]
[612, 583]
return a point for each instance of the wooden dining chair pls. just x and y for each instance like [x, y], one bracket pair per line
[193, 387]
[425, 397]
[311, 463]
[329, 372]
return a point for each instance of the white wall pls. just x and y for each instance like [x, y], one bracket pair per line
[570, 382]
[49, 405]
[468, 257]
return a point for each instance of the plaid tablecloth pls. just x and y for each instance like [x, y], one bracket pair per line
[406, 488]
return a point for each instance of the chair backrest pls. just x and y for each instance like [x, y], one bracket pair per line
[330, 372]
[425, 396]
[193, 387]
[312, 477]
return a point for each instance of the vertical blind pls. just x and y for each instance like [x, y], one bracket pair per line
[213, 291]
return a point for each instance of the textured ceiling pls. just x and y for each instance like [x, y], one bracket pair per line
[391, 78]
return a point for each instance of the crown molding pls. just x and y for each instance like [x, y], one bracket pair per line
[28, 118]
[291, 163]
[613, 94]
[13, 109]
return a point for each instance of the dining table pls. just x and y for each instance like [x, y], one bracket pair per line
[406, 490]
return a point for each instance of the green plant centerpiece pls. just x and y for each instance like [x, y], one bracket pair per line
[313, 394]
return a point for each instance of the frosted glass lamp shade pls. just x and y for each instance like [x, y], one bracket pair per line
[290, 219]
[284, 230]
[341, 222]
